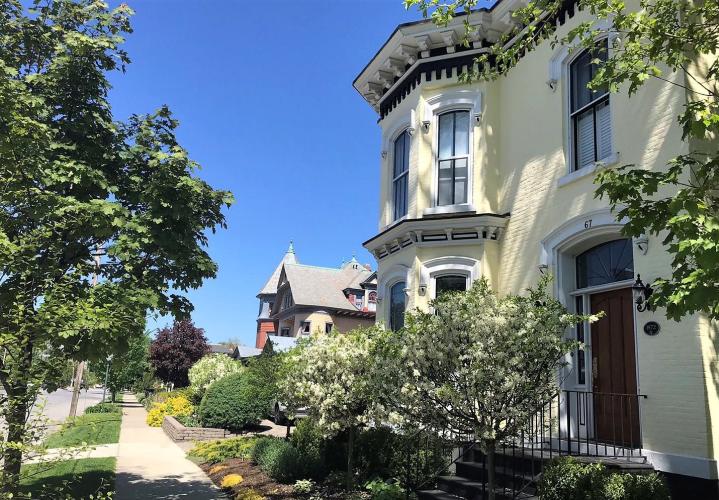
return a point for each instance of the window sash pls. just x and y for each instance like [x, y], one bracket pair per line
[599, 142]
[452, 188]
[400, 171]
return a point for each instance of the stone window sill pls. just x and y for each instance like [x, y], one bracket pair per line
[449, 209]
[583, 172]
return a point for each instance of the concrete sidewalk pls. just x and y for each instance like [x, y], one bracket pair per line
[93, 451]
[151, 466]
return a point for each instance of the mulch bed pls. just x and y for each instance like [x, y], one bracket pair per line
[253, 478]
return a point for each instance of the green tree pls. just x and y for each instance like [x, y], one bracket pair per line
[76, 183]
[675, 41]
[477, 365]
[332, 375]
[127, 367]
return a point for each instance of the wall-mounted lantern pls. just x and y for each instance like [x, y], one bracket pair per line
[543, 268]
[641, 293]
[425, 126]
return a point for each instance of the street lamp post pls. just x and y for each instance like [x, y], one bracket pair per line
[107, 374]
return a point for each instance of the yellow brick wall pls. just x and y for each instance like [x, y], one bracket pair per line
[518, 160]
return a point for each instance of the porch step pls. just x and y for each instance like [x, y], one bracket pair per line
[500, 494]
[505, 476]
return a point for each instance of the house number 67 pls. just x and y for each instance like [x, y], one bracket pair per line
[587, 223]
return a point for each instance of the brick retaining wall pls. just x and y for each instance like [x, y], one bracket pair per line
[178, 432]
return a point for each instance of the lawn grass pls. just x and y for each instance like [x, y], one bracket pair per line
[94, 428]
[84, 477]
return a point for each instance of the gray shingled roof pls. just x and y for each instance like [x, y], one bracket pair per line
[270, 287]
[322, 286]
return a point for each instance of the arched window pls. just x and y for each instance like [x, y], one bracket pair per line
[400, 173]
[606, 263]
[589, 110]
[397, 305]
[453, 158]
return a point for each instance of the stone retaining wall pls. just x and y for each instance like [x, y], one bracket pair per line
[178, 432]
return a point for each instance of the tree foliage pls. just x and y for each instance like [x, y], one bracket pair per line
[333, 376]
[209, 369]
[75, 182]
[175, 349]
[126, 367]
[478, 364]
[676, 42]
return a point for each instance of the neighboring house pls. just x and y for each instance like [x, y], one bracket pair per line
[494, 180]
[243, 352]
[220, 349]
[300, 300]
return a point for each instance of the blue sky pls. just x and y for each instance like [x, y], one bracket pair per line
[263, 91]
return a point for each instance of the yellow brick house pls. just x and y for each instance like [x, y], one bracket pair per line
[495, 180]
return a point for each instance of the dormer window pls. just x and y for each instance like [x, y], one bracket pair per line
[453, 158]
[400, 174]
[287, 300]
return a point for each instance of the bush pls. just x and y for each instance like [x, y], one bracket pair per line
[249, 494]
[315, 450]
[278, 459]
[636, 487]
[103, 408]
[219, 451]
[380, 490]
[210, 369]
[303, 487]
[230, 481]
[175, 405]
[566, 478]
[234, 403]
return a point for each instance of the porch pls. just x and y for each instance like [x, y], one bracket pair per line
[590, 426]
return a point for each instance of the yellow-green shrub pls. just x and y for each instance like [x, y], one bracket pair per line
[249, 494]
[231, 480]
[176, 406]
[219, 451]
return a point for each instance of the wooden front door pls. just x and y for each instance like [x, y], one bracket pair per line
[614, 379]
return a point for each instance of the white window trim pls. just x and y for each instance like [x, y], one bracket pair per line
[559, 71]
[458, 100]
[450, 265]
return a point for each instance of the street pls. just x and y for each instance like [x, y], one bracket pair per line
[57, 404]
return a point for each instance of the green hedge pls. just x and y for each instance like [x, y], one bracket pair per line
[279, 460]
[566, 478]
[104, 408]
[234, 402]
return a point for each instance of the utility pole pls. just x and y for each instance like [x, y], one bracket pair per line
[80, 369]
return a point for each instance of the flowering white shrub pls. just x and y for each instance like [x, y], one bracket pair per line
[332, 375]
[478, 363]
[210, 368]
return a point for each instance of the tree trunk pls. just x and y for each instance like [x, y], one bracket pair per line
[491, 473]
[112, 395]
[76, 388]
[350, 453]
[16, 416]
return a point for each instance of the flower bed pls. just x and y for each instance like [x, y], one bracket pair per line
[178, 432]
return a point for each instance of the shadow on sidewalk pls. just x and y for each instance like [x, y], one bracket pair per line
[130, 404]
[131, 486]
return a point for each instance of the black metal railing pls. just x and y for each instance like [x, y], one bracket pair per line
[571, 423]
